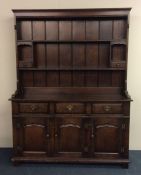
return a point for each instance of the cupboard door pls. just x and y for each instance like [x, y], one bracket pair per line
[32, 136]
[68, 136]
[72, 138]
[108, 137]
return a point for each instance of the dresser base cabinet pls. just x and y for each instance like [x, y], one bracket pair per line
[71, 138]
[71, 104]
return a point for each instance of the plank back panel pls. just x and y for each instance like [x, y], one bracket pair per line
[38, 30]
[73, 52]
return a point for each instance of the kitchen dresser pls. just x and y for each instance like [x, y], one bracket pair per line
[71, 104]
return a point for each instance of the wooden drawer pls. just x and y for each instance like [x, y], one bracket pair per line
[107, 108]
[33, 107]
[76, 108]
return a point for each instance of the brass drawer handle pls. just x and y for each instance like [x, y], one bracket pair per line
[33, 107]
[107, 108]
[70, 107]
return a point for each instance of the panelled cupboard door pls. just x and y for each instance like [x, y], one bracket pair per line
[32, 136]
[72, 137]
[107, 140]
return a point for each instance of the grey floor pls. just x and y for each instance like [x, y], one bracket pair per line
[6, 167]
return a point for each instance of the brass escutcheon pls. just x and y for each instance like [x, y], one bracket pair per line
[33, 107]
[70, 107]
[107, 108]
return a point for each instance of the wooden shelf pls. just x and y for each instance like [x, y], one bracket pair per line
[70, 69]
[73, 41]
[76, 94]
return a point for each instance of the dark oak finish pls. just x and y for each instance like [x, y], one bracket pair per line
[71, 102]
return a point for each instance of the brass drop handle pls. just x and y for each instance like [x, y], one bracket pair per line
[70, 107]
[107, 108]
[33, 107]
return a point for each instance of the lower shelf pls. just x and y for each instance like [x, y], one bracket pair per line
[123, 162]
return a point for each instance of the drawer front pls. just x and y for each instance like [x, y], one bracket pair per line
[107, 108]
[33, 107]
[68, 108]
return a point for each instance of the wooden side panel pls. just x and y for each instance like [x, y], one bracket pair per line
[125, 138]
[15, 108]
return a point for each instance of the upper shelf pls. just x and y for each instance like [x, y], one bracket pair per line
[71, 69]
[72, 41]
